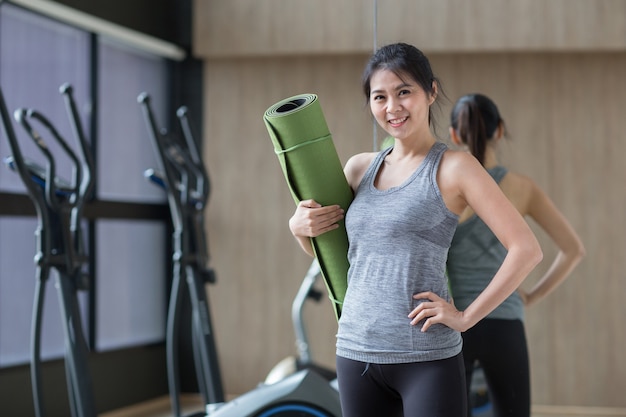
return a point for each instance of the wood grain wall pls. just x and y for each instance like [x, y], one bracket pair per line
[286, 27]
[565, 111]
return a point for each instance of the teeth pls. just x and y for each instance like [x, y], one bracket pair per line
[396, 121]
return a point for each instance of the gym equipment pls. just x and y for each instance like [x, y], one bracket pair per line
[303, 360]
[312, 168]
[479, 400]
[59, 205]
[183, 175]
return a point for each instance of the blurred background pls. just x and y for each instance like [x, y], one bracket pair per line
[555, 68]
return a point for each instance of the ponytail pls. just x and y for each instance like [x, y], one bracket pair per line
[475, 118]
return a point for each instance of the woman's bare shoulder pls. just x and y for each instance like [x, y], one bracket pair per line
[520, 189]
[515, 180]
[356, 166]
[362, 158]
[455, 162]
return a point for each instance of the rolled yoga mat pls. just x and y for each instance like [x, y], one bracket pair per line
[309, 160]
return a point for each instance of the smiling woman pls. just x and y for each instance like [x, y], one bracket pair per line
[407, 200]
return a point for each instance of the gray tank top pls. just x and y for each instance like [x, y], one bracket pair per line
[399, 240]
[475, 256]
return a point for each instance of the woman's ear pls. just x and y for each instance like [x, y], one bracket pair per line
[455, 137]
[499, 131]
[433, 95]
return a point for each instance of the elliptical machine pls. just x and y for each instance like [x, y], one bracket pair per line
[59, 205]
[182, 174]
[303, 359]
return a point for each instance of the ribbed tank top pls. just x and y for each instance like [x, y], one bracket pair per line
[399, 240]
[474, 258]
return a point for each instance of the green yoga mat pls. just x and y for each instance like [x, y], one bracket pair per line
[309, 160]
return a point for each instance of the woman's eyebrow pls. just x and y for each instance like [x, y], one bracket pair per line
[398, 87]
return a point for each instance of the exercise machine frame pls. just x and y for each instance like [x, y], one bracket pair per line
[303, 358]
[59, 206]
[182, 174]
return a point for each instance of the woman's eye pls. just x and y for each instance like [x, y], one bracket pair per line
[378, 98]
[403, 92]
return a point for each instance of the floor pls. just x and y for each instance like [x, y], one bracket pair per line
[564, 411]
[192, 403]
[159, 407]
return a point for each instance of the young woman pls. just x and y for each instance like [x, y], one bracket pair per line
[498, 342]
[399, 337]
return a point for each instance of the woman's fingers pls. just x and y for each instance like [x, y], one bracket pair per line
[433, 311]
[311, 219]
[309, 204]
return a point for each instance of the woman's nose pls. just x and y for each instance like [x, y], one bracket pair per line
[393, 105]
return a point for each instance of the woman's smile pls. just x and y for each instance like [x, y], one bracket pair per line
[397, 122]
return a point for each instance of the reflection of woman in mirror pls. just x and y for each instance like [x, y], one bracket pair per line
[498, 341]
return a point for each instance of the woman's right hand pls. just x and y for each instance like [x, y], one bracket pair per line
[311, 219]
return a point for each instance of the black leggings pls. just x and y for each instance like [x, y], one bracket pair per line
[499, 346]
[418, 389]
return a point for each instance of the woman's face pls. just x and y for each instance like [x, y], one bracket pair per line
[399, 105]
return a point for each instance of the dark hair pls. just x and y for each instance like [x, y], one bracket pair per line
[403, 59]
[475, 117]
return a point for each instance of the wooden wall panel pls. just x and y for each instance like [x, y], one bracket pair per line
[259, 264]
[565, 115]
[301, 27]
[493, 25]
[279, 27]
